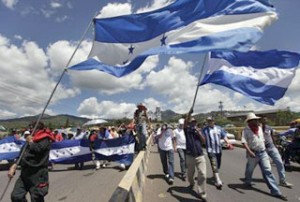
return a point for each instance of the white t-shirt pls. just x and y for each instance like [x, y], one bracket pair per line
[180, 138]
[165, 141]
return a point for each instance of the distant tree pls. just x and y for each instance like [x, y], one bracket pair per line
[284, 118]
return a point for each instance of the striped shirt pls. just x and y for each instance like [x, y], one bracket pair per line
[213, 136]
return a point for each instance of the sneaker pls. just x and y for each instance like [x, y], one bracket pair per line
[284, 198]
[203, 196]
[284, 183]
[167, 176]
[103, 165]
[122, 166]
[218, 185]
[171, 181]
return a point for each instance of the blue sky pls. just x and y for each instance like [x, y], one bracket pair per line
[37, 39]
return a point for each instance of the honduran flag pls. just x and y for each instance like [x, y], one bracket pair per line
[74, 151]
[261, 75]
[10, 148]
[123, 43]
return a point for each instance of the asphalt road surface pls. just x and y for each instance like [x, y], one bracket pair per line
[232, 174]
[69, 185]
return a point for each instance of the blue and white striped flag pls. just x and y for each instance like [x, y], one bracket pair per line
[261, 75]
[10, 148]
[186, 26]
[74, 151]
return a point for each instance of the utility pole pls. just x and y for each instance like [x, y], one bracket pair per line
[221, 108]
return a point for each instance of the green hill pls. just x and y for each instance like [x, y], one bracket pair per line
[50, 121]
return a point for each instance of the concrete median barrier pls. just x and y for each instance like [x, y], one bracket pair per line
[130, 189]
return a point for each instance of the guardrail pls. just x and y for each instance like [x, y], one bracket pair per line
[130, 189]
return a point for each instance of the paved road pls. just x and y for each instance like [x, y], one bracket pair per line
[68, 185]
[232, 171]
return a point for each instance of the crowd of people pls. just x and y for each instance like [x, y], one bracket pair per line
[190, 139]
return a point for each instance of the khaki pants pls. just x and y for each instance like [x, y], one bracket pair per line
[200, 164]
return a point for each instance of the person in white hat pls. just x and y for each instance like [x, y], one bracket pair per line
[254, 143]
[181, 146]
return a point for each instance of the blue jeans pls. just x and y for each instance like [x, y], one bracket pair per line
[276, 157]
[181, 153]
[262, 159]
[141, 130]
[167, 161]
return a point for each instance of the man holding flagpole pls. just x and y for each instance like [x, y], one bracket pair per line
[34, 167]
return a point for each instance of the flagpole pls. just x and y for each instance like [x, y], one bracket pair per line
[51, 96]
[200, 75]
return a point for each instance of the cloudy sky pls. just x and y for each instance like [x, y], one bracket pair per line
[37, 38]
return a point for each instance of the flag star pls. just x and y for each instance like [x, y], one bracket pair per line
[131, 48]
[163, 40]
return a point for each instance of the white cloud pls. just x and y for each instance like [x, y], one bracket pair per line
[10, 3]
[27, 85]
[18, 37]
[55, 5]
[47, 13]
[108, 84]
[156, 4]
[115, 9]
[61, 19]
[92, 108]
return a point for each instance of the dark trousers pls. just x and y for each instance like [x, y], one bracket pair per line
[34, 181]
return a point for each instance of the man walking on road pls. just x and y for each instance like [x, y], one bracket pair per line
[213, 135]
[34, 167]
[181, 147]
[195, 156]
[254, 143]
[166, 144]
[274, 153]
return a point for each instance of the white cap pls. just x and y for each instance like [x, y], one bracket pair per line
[26, 132]
[181, 121]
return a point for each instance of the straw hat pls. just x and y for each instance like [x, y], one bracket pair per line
[251, 116]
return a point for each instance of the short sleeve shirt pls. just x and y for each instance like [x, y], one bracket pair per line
[165, 142]
[255, 142]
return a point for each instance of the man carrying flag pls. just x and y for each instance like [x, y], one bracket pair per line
[34, 167]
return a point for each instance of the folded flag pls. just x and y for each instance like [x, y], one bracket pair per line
[186, 26]
[75, 151]
[261, 75]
